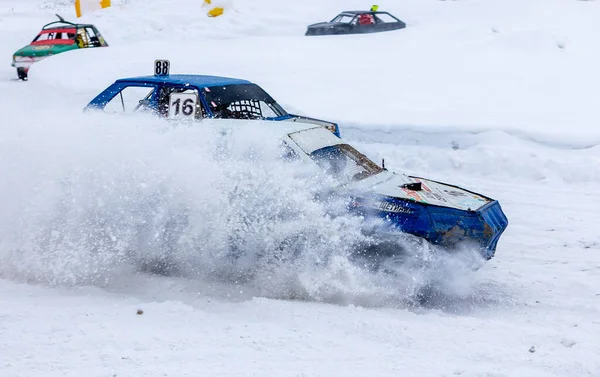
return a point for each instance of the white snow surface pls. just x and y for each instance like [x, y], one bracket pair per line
[497, 96]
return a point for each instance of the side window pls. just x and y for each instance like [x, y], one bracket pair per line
[344, 19]
[384, 18]
[243, 109]
[180, 103]
[130, 99]
[266, 110]
[93, 38]
[65, 36]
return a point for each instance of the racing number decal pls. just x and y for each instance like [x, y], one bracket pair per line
[187, 108]
[162, 67]
[182, 105]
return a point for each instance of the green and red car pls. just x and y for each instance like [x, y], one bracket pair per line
[55, 38]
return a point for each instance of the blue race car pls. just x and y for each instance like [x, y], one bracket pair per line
[441, 214]
[196, 97]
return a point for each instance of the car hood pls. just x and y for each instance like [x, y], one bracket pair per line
[44, 50]
[393, 185]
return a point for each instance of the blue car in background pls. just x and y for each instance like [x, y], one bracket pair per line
[196, 97]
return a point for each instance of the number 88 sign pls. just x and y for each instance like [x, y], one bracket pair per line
[162, 67]
[183, 105]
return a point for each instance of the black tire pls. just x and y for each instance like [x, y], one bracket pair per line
[22, 73]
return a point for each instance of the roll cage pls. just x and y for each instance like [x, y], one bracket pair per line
[233, 101]
[88, 34]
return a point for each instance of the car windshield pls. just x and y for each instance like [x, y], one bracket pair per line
[343, 18]
[345, 163]
[242, 101]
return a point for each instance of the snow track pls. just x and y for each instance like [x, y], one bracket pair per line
[505, 155]
[496, 96]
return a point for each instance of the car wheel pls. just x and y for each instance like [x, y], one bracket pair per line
[22, 73]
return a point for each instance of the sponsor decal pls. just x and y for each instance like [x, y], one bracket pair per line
[458, 194]
[392, 207]
[435, 196]
[42, 47]
[412, 194]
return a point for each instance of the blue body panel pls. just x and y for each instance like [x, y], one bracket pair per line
[444, 226]
[199, 81]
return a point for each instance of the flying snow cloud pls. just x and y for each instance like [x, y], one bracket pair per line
[92, 197]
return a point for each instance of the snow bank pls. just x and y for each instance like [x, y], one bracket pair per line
[502, 66]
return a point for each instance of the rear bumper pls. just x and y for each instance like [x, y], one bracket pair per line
[448, 227]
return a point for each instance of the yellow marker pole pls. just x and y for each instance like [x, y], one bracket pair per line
[78, 8]
[215, 12]
[216, 9]
[101, 4]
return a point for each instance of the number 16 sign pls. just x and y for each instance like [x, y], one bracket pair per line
[182, 105]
